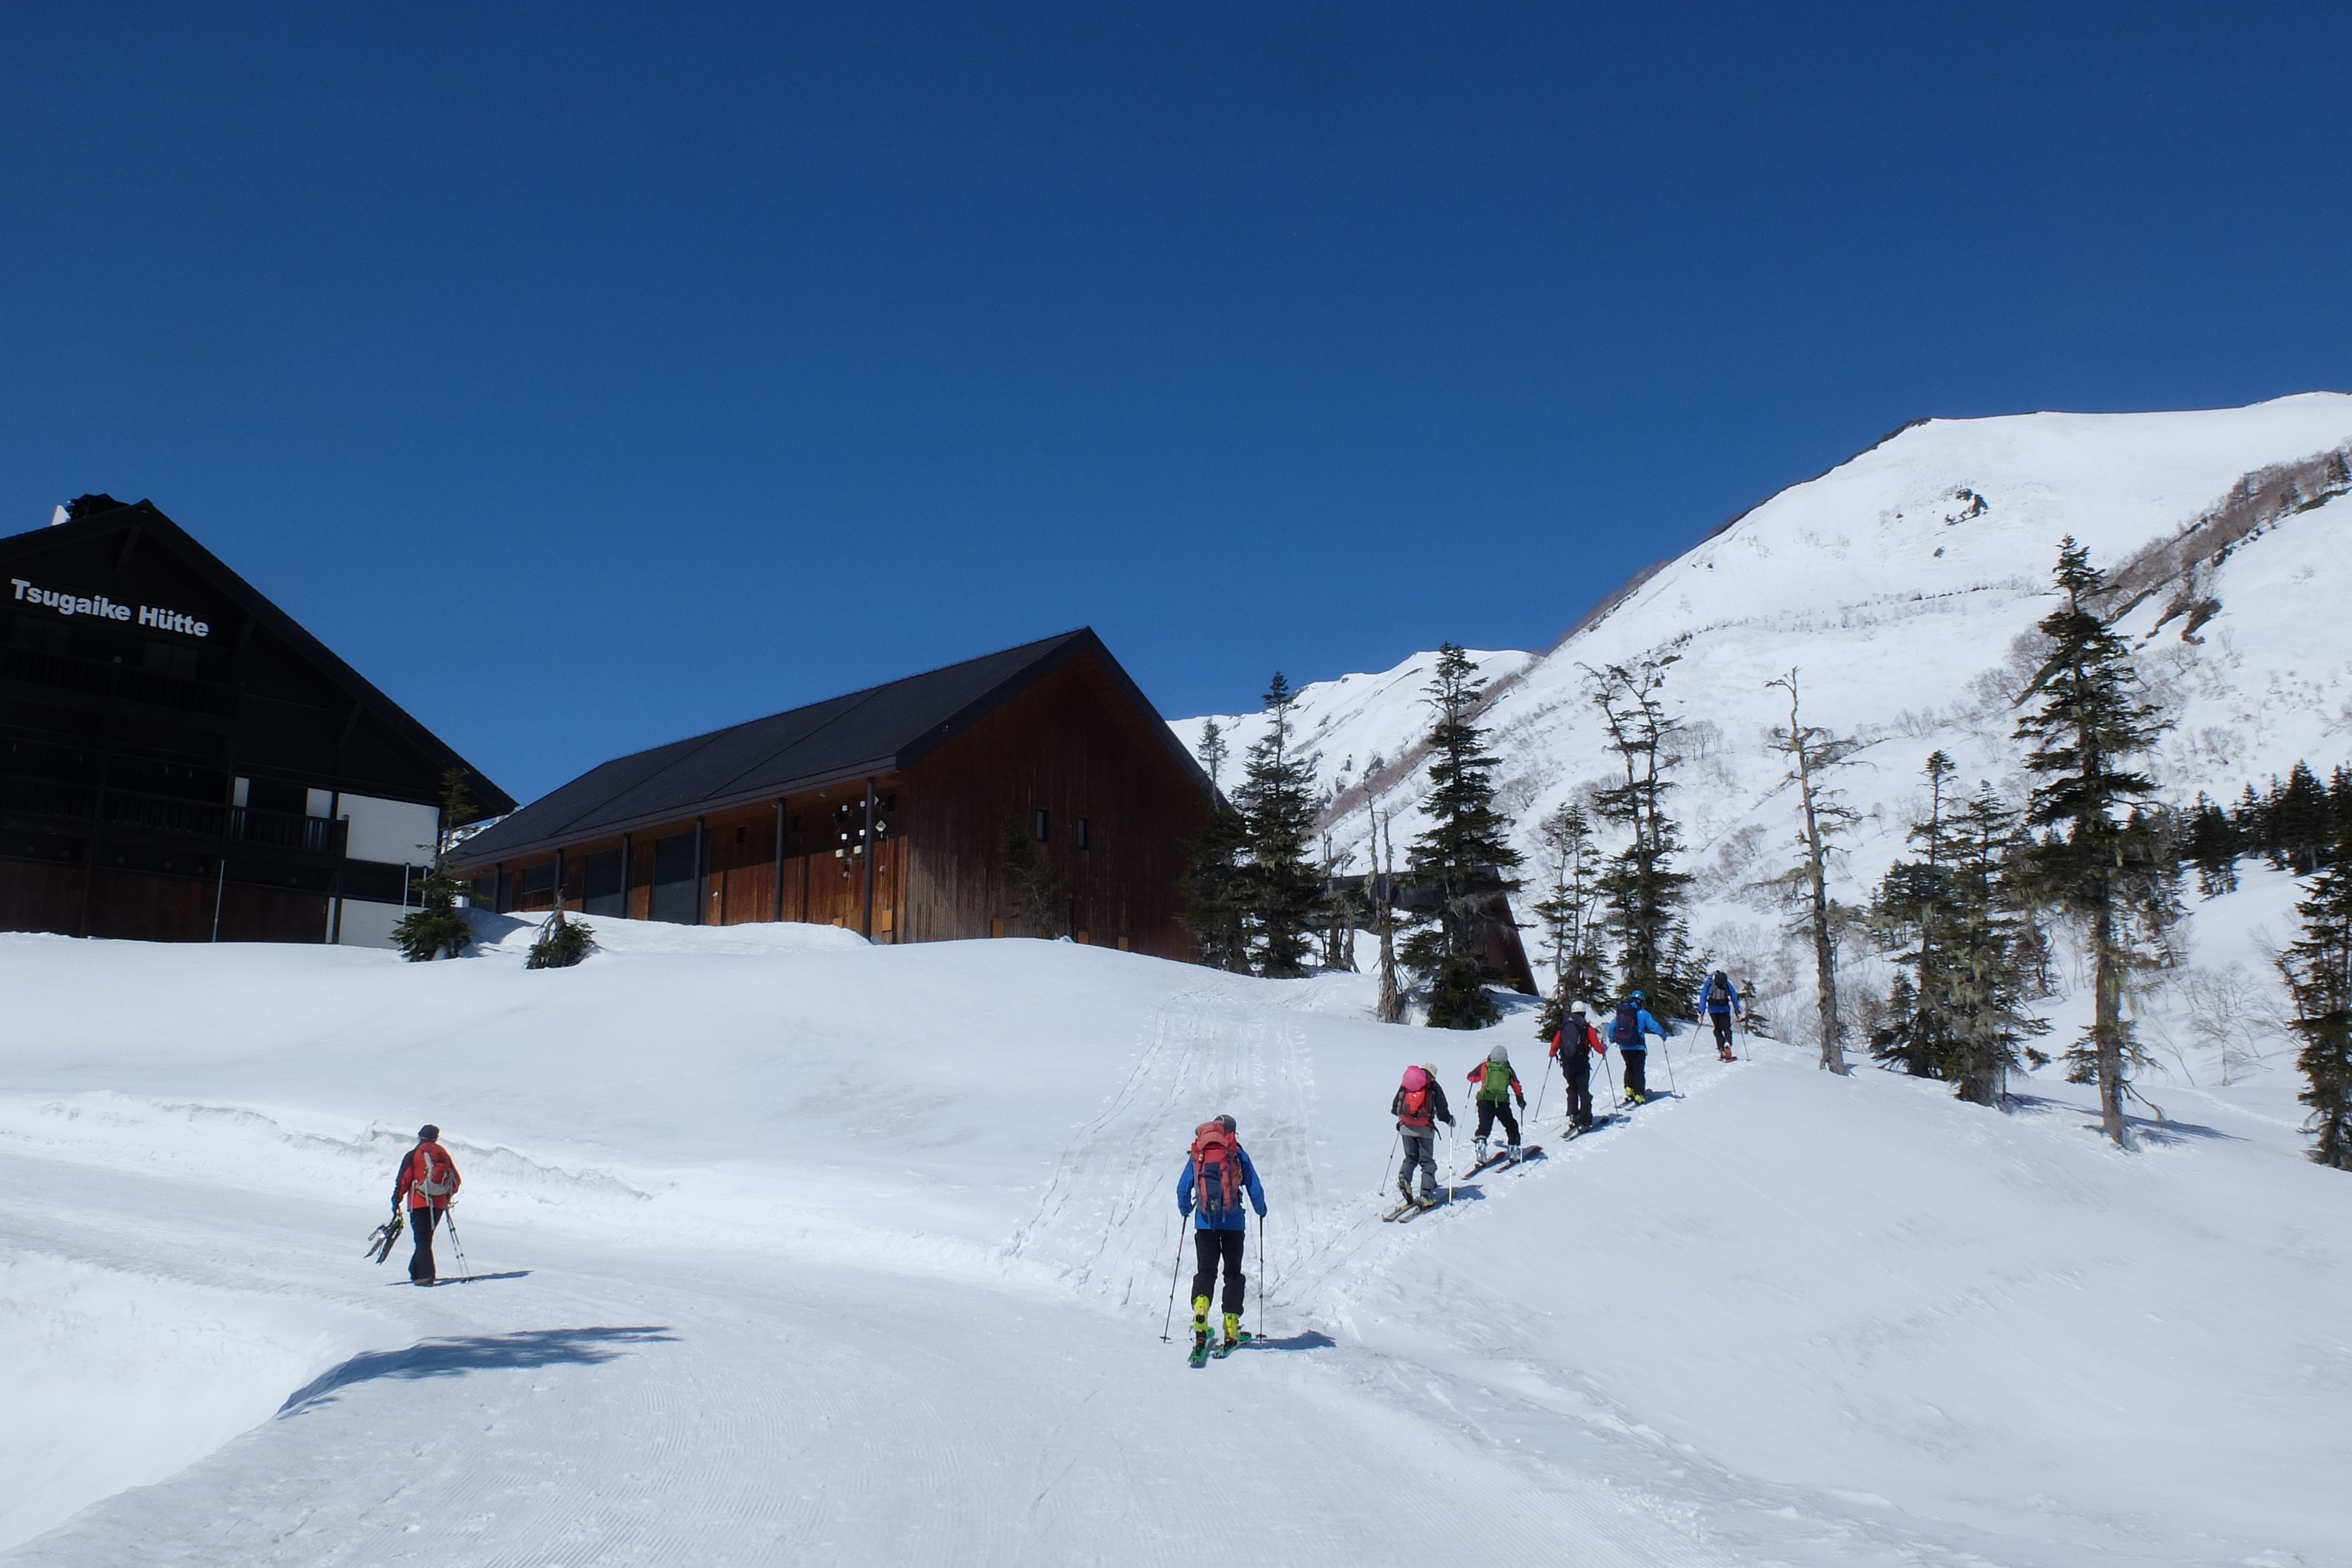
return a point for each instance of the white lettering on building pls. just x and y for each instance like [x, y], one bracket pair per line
[68, 603]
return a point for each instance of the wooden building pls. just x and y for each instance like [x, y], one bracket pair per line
[885, 811]
[181, 762]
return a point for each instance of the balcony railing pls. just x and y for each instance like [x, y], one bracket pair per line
[172, 814]
[63, 673]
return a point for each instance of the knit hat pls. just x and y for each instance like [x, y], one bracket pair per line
[1227, 1123]
[427, 1132]
[1498, 1053]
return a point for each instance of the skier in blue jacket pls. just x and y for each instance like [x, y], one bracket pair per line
[1216, 1175]
[1630, 1032]
[1721, 999]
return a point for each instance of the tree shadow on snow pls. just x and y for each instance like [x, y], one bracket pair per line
[475, 1352]
[1305, 1339]
[2159, 1134]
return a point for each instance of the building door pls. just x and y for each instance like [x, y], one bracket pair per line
[601, 892]
[673, 890]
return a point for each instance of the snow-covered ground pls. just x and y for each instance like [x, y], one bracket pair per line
[796, 1249]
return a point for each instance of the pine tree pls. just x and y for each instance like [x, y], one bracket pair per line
[1640, 891]
[2301, 821]
[563, 942]
[1211, 887]
[1463, 858]
[1213, 751]
[2339, 811]
[1982, 977]
[2254, 830]
[2090, 863]
[437, 929]
[2213, 846]
[2319, 971]
[1569, 913]
[1812, 752]
[1280, 892]
[1908, 915]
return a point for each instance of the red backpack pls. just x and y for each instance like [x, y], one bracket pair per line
[1414, 1097]
[1216, 1168]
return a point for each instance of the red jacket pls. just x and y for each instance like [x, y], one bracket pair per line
[1592, 1041]
[427, 1164]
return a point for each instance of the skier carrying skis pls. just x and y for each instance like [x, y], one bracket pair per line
[1419, 1106]
[1216, 1175]
[1576, 1044]
[427, 1178]
[1498, 1082]
[1721, 999]
[1630, 1032]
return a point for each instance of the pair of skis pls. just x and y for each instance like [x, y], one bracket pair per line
[1202, 1353]
[1507, 1155]
[1412, 1208]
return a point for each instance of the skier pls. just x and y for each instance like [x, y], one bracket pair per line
[1576, 1044]
[1630, 1033]
[1721, 999]
[1419, 1106]
[1215, 1176]
[427, 1178]
[1498, 1081]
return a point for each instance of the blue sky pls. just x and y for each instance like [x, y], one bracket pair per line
[593, 376]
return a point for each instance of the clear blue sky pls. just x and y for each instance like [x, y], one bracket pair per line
[590, 376]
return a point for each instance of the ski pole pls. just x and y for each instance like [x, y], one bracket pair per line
[1667, 1044]
[1610, 1073]
[1391, 1160]
[1174, 1270]
[1261, 1276]
[1545, 1082]
[465, 1269]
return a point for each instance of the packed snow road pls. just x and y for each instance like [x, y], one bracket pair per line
[804, 1251]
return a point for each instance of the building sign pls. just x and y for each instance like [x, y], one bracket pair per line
[65, 602]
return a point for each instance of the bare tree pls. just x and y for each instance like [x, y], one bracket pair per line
[1812, 753]
[1377, 885]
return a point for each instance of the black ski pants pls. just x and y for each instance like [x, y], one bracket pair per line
[420, 1228]
[1722, 1022]
[1488, 1110]
[1576, 1071]
[1634, 1060]
[1209, 1248]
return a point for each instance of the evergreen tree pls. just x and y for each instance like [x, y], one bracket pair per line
[2254, 830]
[2091, 863]
[1569, 913]
[438, 928]
[1640, 892]
[563, 942]
[1280, 891]
[1213, 751]
[2301, 821]
[2319, 971]
[1211, 887]
[1812, 752]
[1983, 975]
[1913, 903]
[2339, 811]
[2213, 846]
[1463, 856]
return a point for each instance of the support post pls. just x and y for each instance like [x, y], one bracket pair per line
[701, 874]
[776, 883]
[626, 871]
[866, 929]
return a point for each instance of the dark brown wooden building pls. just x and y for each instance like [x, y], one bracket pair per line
[181, 762]
[885, 812]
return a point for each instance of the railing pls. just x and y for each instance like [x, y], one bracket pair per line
[172, 814]
[62, 672]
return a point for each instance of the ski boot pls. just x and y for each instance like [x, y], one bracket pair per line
[1404, 1187]
[1200, 1332]
[1477, 1153]
[1233, 1330]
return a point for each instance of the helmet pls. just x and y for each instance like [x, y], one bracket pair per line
[1498, 1053]
[1639, 997]
[427, 1132]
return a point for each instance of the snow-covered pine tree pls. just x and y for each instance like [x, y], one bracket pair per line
[2301, 821]
[2213, 847]
[1913, 905]
[1812, 752]
[439, 926]
[1280, 891]
[1211, 887]
[1640, 892]
[1567, 912]
[2111, 879]
[2318, 972]
[1463, 860]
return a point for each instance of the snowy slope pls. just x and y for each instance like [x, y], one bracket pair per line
[1899, 585]
[810, 1251]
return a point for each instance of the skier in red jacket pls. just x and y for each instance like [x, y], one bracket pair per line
[1576, 1044]
[427, 1178]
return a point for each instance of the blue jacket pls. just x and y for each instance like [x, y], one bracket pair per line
[1730, 1000]
[1230, 1221]
[1644, 1022]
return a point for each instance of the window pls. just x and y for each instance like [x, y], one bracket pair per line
[169, 659]
[1084, 836]
[741, 834]
[1037, 827]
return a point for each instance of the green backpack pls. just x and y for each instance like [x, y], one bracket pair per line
[1497, 1084]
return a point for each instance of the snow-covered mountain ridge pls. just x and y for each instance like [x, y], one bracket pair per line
[1900, 584]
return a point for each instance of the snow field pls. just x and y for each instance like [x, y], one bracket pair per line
[821, 1252]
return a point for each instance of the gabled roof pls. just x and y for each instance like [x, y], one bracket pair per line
[881, 729]
[97, 516]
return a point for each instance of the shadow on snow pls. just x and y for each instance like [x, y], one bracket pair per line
[475, 1352]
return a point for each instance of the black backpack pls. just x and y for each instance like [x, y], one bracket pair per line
[1718, 987]
[1627, 1030]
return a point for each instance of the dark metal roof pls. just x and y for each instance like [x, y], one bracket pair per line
[879, 730]
[96, 516]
